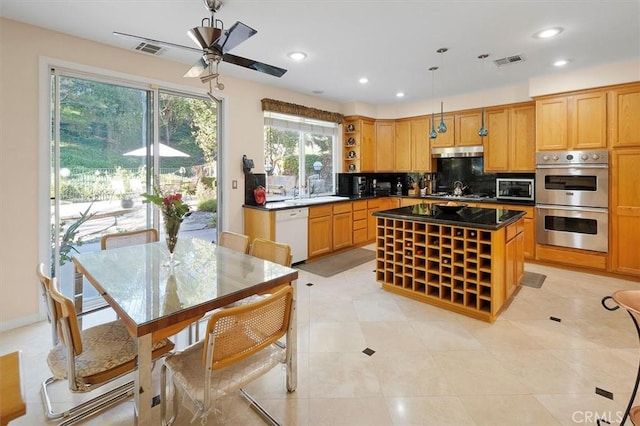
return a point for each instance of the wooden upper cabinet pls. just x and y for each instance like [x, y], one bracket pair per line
[522, 136]
[444, 139]
[421, 153]
[385, 146]
[588, 121]
[368, 146]
[552, 124]
[466, 130]
[358, 144]
[576, 121]
[496, 143]
[510, 144]
[403, 152]
[624, 123]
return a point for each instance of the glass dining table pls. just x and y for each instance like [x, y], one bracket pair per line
[156, 301]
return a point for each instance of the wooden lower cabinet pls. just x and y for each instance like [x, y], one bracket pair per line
[360, 222]
[625, 211]
[320, 239]
[529, 237]
[342, 226]
[465, 270]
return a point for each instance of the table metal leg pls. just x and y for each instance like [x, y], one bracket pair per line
[292, 349]
[143, 390]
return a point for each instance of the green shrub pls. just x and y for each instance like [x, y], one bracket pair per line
[210, 205]
[213, 222]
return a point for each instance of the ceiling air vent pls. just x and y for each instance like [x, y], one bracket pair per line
[149, 48]
[509, 60]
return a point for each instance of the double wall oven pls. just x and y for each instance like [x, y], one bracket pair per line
[572, 199]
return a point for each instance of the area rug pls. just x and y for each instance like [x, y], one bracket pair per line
[533, 279]
[338, 262]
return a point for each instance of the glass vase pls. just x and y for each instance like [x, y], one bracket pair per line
[172, 227]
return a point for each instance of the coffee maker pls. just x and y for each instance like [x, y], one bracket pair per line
[359, 186]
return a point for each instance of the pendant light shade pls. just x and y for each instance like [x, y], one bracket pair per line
[442, 127]
[483, 131]
[432, 133]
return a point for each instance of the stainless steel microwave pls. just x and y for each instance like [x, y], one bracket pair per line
[522, 189]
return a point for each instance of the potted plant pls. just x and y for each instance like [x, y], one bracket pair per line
[122, 186]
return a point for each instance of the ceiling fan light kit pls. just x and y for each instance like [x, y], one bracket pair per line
[214, 44]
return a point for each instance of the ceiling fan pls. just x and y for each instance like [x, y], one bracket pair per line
[214, 44]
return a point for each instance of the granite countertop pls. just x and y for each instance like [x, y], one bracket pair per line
[471, 217]
[314, 201]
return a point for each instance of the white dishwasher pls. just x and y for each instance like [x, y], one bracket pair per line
[292, 229]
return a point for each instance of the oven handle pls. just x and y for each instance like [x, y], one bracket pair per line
[572, 166]
[572, 208]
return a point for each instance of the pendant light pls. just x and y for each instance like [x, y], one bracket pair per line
[432, 133]
[483, 131]
[442, 127]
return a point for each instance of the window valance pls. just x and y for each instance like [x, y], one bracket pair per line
[300, 111]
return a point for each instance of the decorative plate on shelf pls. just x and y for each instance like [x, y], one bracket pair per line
[351, 128]
[352, 167]
[351, 141]
[351, 154]
[450, 206]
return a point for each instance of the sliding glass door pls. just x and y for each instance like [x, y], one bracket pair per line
[104, 136]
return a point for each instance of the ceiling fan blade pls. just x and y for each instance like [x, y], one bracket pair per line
[235, 35]
[159, 42]
[197, 68]
[254, 65]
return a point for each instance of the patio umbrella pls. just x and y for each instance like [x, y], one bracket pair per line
[165, 151]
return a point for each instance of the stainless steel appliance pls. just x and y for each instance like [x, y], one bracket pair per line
[515, 188]
[572, 193]
[359, 186]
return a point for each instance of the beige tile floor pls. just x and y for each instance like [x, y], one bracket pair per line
[430, 366]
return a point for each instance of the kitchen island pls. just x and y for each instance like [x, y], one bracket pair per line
[468, 261]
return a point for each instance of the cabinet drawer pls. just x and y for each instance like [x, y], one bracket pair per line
[514, 229]
[341, 208]
[359, 205]
[374, 204]
[360, 236]
[359, 214]
[360, 224]
[319, 211]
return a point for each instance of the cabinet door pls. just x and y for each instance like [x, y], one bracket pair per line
[624, 123]
[342, 231]
[385, 158]
[403, 146]
[367, 146]
[421, 153]
[589, 121]
[625, 211]
[529, 244]
[444, 139]
[496, 143]
[320, 235]
[510, 268]
[467, 126]
[522, 148]
[551, 124]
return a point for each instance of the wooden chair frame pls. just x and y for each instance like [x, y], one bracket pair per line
[71, 337]
[148, 235]
[234, 335]
[234, 241]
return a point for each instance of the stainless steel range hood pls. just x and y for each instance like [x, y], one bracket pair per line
[459, 151]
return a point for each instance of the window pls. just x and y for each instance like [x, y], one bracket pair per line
[290, 141]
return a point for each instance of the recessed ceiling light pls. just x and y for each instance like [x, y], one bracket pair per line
[363, 80]
[561, 63]
[548, 33]
[317, 92]
[400, 94]
[297, 56]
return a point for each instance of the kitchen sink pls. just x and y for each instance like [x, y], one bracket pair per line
[316, 200]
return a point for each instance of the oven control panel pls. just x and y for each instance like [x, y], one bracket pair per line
[572, 157]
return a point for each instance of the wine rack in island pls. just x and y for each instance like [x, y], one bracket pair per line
[457, 268]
